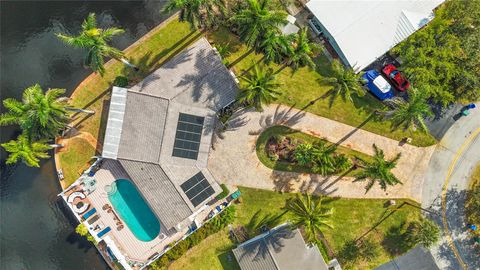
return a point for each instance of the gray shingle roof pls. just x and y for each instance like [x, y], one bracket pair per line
[194, 82]
[143, 126]
[158, 190]
[203, 81]
[281, 248]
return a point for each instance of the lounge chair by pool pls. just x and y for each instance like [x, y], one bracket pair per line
[89, 213]
[102, 233]
[93, 219]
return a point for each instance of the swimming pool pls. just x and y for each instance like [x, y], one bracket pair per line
[133, 209]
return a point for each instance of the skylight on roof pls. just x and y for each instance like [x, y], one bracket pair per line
[188, 135]
[197, 189]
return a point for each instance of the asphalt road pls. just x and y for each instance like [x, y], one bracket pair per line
[451, 165]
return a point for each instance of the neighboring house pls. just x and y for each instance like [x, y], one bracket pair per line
[158, 137]
[279, 249]
[362, 31]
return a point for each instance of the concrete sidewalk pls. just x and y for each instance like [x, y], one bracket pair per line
[234, 160]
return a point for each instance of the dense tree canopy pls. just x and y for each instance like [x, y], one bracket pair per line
[443, 59]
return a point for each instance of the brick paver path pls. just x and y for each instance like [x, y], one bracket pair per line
[234, 161]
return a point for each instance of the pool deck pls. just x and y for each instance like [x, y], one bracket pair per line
[132, 248]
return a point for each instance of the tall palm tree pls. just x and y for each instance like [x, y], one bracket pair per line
[40, 115]
[275, 46]
[95, 41]
[302, 51]
[346, 82]
[199, 13]
[309, 213]
[259, 88]
[28, 152]
[378, 170]
[256, 20]
[410, 113]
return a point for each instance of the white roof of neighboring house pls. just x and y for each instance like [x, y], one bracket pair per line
[365, 30]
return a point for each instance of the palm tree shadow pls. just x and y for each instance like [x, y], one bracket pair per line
[260, 248]
[357, 128]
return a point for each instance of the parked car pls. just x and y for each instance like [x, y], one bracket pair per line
[397, 79]
[378, 85]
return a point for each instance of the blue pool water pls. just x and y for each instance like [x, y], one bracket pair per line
[133, 209]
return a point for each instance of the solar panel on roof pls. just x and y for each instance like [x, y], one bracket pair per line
[188, 136]
[197, 189]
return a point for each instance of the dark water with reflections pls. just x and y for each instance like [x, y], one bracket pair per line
[35, 230]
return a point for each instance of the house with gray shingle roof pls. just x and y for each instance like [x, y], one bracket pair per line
[160, 131]
[279, 249]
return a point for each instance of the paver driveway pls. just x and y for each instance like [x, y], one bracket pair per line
[234, 161]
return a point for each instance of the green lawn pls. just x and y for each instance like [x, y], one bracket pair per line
[295, 134]
[75, 158]
[351, 218]
[214, 252]
[303, 86]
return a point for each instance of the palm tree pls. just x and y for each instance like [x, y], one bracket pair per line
[40, 115]
[259, 87]
[378, 170]
[346, 82]
[275, 46]
[424, 232]
[95, 41]
[309, 213]
[28, 152]
[256, 20]
[199, 13]
[411, 113]
[302, 51]
[324, 159]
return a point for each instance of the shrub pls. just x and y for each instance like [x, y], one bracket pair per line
[160, 264]
[120, 81]
[82, 230]
[178, 250]
[224, 193]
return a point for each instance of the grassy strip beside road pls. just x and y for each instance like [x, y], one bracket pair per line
[305, 85]
[472, 204]
[305, 138]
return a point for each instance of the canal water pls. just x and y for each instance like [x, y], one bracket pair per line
[35, 230]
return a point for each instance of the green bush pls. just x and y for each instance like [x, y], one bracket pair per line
[160, 264]
[82, 230]
[120, 81]
[178, 250]
[224, 193]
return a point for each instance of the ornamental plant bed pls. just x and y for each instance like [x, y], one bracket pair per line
[276, 147]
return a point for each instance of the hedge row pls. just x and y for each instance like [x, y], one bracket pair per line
[215, 225]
